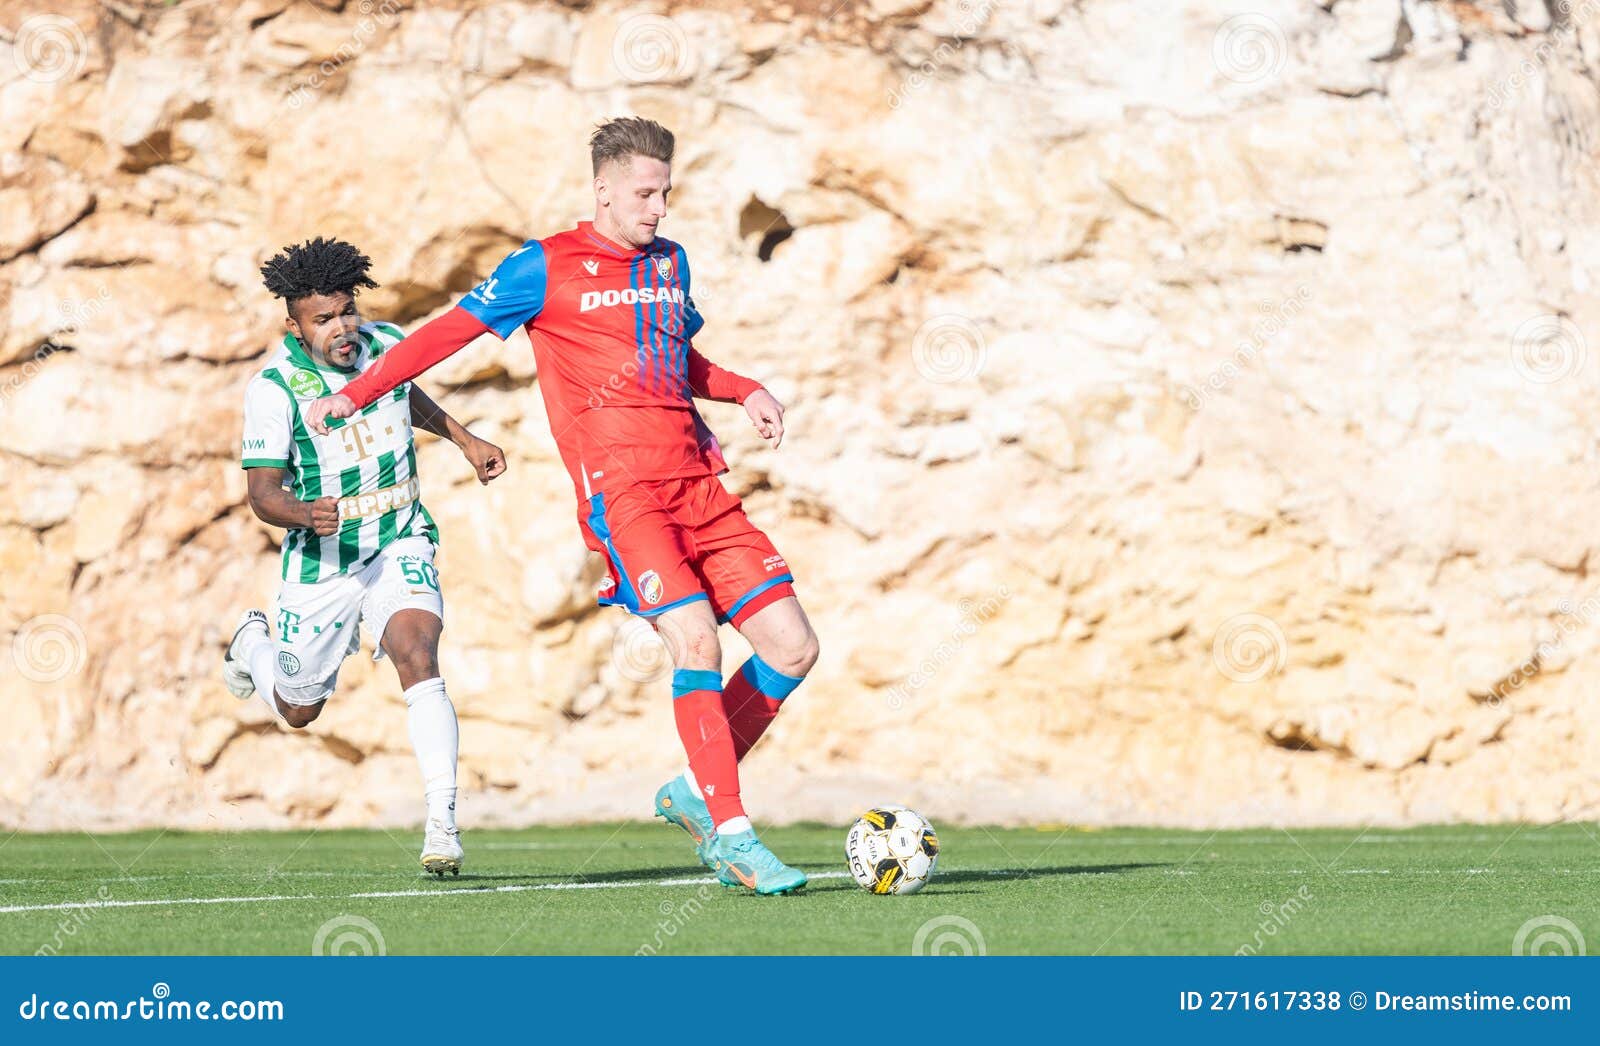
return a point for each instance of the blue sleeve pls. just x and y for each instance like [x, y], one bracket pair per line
[514, 294]
[692, 320]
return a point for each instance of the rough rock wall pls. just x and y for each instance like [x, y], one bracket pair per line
[1190, 412]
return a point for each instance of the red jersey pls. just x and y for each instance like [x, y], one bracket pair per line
[611, 328]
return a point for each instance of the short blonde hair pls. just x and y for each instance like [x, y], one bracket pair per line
[629, 136]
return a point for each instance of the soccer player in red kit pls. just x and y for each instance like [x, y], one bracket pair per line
[608, 308]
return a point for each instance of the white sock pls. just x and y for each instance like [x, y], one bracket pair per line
[688, 779]
[261, 658]
[436, 737]
[735, 825]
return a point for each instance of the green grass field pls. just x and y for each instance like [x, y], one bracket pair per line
[622, 888]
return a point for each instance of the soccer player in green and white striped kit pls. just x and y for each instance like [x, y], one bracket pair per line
[360, 545]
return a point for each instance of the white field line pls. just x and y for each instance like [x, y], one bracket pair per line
[1086, 837]
[372, 894]
[678, 843]
[156, 878]
[601, 885]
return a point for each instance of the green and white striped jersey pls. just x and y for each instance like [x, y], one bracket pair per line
[367, 461]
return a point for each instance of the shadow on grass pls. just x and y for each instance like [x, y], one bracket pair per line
[986, 875]
[676, 875]
[1001, 875]
[577, 879]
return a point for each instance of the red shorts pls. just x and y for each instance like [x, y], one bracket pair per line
[678, 540]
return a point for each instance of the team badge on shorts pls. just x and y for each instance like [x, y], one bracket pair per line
[650, 587]
[288, 663]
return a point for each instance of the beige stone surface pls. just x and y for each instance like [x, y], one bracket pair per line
[1191, 412]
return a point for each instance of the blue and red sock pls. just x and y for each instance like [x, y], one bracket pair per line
[751, 701]
[707, 741]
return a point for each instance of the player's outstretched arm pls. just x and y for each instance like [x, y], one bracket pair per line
[487, 460]
[711, 382]
[427, 345]
[277, 507]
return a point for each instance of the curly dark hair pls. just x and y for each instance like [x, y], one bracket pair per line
[317, 266]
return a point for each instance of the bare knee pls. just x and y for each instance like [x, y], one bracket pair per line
[300, 716]
[702, 649]
[698, 647]
[794, 656]
[416, 666]
[690, 633]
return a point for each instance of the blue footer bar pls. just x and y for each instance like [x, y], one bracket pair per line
[795, 999]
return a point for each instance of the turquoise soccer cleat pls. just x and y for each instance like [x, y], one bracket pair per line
[677, 803]
[742, 860]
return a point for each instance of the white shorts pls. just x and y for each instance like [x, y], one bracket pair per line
[315, 628]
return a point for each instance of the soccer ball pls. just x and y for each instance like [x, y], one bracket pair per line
[892, 850]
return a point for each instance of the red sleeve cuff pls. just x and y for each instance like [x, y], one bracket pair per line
[744, 387]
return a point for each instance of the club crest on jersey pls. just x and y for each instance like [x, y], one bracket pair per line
[305, 383]
[650, 587]
[288, 663]
[664, 267]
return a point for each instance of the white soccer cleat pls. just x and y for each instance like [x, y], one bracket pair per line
[441, 849]
[235, 673]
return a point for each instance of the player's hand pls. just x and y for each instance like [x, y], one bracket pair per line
[766, 413]
[336, 406]
[487, 459]
[325, 516]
